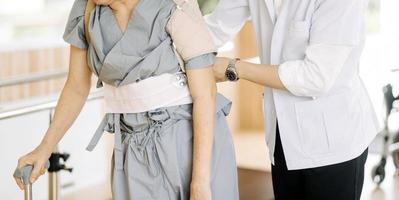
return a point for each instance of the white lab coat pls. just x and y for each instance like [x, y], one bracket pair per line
[338, 123]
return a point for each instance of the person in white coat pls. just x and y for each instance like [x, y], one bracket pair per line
[309, 52]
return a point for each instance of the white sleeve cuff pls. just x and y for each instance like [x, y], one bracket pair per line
[287, 74]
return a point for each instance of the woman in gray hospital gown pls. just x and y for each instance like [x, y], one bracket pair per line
[182, 151]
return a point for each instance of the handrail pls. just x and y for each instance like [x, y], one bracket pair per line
[5, 114]
[41, 76]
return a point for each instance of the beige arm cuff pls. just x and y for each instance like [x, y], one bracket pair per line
[189, 31]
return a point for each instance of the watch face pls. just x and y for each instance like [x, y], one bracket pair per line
[230, 75]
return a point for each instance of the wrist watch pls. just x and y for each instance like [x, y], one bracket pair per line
[231, 71]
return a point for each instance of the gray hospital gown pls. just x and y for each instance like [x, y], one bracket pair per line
[153, 150]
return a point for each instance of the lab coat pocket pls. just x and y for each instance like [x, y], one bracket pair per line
[341, 112]
[297, 40]
[311, 124]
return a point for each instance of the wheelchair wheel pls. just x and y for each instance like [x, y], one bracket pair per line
[395, 138]
[378, 172]
[395, 152]
[395, 157]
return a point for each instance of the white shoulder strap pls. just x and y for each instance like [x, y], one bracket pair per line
[179, 58]
[179, 4]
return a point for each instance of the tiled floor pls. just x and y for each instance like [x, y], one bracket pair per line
[255, 179]
[257, 185]
[388, 190]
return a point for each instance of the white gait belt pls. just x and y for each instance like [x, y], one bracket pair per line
[149, 94]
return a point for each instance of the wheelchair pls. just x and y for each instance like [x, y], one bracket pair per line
[390, 140]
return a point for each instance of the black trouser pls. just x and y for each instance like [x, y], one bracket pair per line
[343, 181]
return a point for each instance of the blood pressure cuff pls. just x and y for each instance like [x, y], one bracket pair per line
[188, 30]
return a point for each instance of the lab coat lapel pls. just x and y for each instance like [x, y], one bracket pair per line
[270, 8]
[279, 33]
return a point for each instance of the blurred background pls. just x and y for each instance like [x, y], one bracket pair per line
[33, 68]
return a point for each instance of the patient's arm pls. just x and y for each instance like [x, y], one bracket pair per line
[70, 104]
[203, 91]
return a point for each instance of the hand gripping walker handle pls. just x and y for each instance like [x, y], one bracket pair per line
[24, 174]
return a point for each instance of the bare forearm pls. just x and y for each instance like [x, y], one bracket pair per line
[266, 75]
[69, 105]
[203, 91]
[72, 98]
[203, 122]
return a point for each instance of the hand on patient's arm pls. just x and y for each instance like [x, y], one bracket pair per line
[266, 75]
[219, 69]
[203, 91]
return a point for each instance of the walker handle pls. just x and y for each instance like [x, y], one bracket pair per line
[24, 172]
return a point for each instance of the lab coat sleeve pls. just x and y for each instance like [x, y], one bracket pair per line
[227, 20]
[316, 74]
[336, 28]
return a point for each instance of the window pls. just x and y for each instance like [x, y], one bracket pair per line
[23, 21]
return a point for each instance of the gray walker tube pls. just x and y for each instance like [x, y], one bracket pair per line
[24, 174]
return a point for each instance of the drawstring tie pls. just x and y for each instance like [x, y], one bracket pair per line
[146, 148]
[143, 144]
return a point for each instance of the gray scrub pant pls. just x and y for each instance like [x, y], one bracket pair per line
[153, 155]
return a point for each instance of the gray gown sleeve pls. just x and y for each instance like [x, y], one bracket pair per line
[201, 61]
[74, 31]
